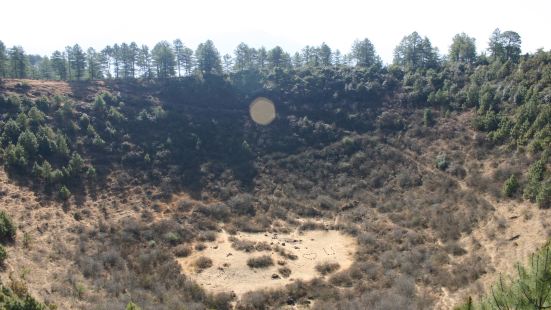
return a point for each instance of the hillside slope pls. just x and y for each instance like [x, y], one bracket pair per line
[111, 183]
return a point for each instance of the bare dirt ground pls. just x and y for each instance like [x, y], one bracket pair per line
[230, 273]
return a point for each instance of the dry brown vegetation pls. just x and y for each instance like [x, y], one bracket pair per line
[425, 236]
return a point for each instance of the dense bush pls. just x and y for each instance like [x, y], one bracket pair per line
[327, 267]
[511, 186]
[11, 300]
[7, 228]
[3, 255]
[64, 193]
[260, 261]
[203, 262]
[442, 161]
[543, 198]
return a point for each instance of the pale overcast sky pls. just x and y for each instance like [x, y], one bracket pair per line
[42, 26]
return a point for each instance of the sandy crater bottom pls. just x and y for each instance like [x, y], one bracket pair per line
[230, 272]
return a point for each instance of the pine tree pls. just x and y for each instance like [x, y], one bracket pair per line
[415, 52]
[58, 65]
[208, 58]
[261, 56]
[45, 69]
[337, 58]
[18, 62]
[144, 62]
[105, 60]
[325, 54]
[3, 61]
[79, 62]
[188, 60]
[94, 65]
[227, 62]
[364, 53]
[242, 59]
[69, 59]
[116, 56]
[164, 60]
[133, 58]
[179, 52]
[463, 49]
[277, 58]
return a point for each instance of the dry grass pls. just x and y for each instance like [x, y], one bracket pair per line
[203, 263]
[260, 261]
[326, 268]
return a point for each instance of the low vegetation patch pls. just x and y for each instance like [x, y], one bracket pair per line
[326, 268]
[260, 261]
[182, 250]
[284, 271]
[203, 262]
[7, 229]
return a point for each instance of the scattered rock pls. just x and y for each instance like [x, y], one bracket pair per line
[290, 301]
[275, 276]
[515, 237]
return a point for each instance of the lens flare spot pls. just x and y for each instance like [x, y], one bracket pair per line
[262, 111]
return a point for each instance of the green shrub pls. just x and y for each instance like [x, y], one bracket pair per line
[44, 172]
[62, 148]
[543, 199]
[535, 178]
[36, 117]
[99, 103]
[91, 172]
[74, 167]
[15, 156]
[3, 255]
[442, 161]
[132, 306]
[11, 131]
[7, 228]
[511, 186]
[428, 118]
[529, 288]
[64, 193]
[43, 103]
[15, 300]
